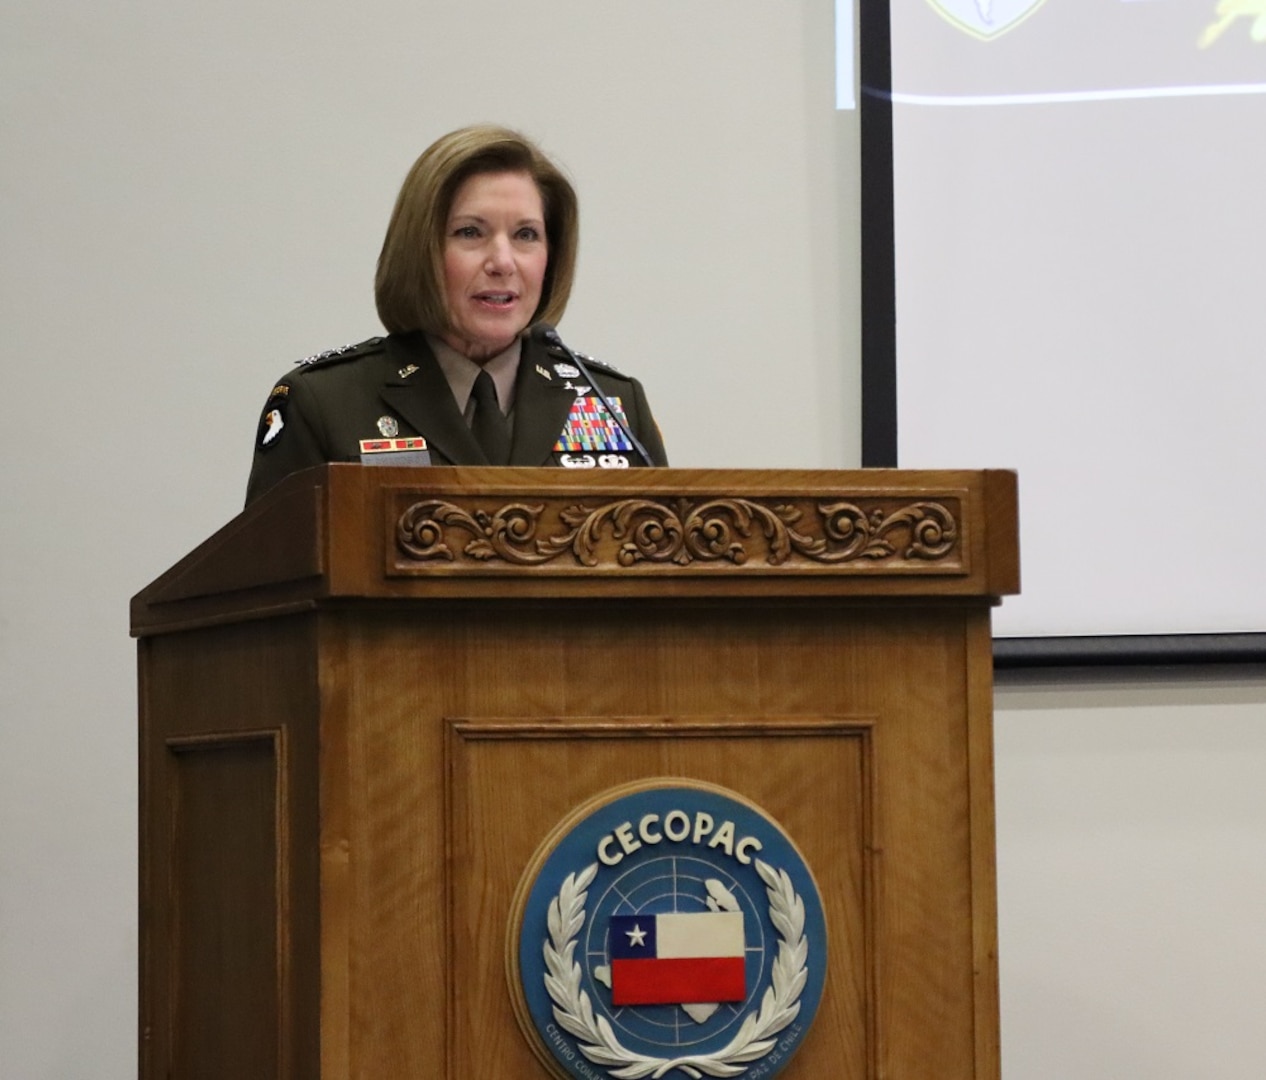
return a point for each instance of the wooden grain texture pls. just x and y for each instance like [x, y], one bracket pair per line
[228, 806]
[531, 744]
[226, 982]
[769, 761]
[339, 531]
[387, 752]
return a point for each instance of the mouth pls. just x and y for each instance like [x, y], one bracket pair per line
[496, 299]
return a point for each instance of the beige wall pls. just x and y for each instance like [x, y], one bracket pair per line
[1132, 873]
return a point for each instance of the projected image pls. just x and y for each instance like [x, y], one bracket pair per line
[986, 18]
[950, 52]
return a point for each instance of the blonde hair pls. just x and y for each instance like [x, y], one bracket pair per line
[409, 284]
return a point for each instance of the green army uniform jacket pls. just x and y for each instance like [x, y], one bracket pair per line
[326, 407]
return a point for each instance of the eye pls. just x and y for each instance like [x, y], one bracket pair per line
[528, 232]
[466, 232]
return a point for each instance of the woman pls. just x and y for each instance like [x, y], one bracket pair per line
[481, 246]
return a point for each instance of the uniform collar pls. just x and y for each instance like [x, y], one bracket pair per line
[461, 371]
[420, 393]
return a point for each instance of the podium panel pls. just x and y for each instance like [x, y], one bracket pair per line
[353, 749]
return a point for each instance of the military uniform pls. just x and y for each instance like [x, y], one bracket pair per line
[332, 405]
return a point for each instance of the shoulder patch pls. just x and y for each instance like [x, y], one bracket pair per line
[273, 420]
[343, 352]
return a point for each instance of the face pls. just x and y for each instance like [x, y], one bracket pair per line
[495, 254]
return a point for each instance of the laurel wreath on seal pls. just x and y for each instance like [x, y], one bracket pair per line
[574, 1012]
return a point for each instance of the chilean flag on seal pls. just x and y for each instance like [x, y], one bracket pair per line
[677, 958]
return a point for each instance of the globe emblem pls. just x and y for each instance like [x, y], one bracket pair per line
[675, 884]
[666, 928]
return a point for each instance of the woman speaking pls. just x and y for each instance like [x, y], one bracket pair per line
[477, 264]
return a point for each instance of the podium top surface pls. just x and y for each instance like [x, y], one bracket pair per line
[340, 533]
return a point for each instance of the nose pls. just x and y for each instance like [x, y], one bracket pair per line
[500, 258]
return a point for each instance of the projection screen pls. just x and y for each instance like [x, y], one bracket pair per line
[1077, 191]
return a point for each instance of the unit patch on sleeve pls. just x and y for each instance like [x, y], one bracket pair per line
[273, 420]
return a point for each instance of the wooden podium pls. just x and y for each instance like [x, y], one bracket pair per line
[367, 699]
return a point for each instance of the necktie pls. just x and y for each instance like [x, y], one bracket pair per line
[489, 424]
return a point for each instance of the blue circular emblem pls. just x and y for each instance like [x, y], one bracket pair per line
[667, 928]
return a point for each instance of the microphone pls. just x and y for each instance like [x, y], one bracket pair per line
[546, 333]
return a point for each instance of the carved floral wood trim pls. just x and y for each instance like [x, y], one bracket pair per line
[676, 534]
